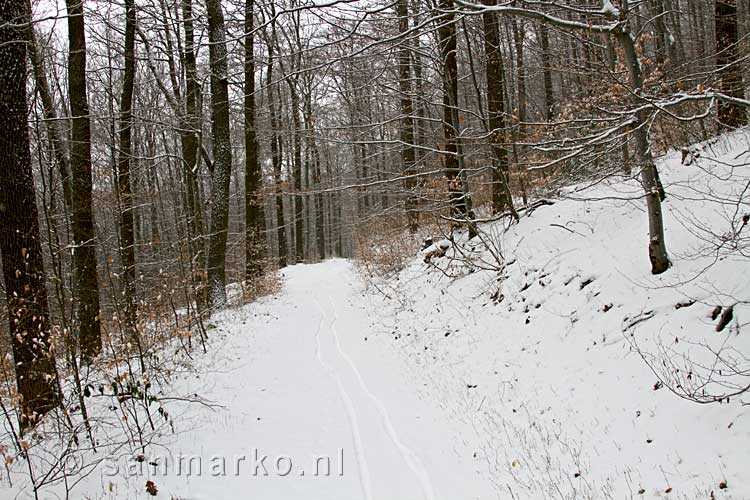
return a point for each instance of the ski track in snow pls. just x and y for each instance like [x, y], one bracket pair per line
[411, 459]
[364, 471]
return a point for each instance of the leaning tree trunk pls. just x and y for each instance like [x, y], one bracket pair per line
[501, 196]
[729, 67]
[657, 248]
[84, 237]
[254, 216]
[50, 115]
[222, 149]
[23, 268]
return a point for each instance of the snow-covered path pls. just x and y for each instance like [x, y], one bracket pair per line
[306, 389]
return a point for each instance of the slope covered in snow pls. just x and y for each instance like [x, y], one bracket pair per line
[578, 374]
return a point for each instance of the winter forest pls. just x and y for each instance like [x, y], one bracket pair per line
[403, 249]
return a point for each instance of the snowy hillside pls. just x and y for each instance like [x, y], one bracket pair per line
[559, 364]
[555, 372]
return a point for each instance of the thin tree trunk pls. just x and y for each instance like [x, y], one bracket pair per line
[406, 125]
[657, 248]
[125, 195]
[276, 153]
[84, 237]
[254, 216]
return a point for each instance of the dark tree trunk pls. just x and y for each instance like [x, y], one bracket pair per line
[501, 196]
[190, 145]
[549, 102]
[254, 216]
[299, 233]
[731, 115]
[125, 195]
[447, 40]
[276, 154]
[84, 236]
[222, 149]
[23, 268]
[406, 125]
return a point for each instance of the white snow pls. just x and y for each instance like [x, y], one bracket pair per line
[609, 10]
[521, 382]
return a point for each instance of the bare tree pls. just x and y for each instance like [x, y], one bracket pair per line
[84, 235]
[254, 217]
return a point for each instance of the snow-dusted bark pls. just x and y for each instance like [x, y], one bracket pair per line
[222, 150]
[23, 267]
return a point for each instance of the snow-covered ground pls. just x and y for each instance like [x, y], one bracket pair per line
[551, 374]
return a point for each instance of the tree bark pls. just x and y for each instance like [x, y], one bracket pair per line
[125, 195]
[501, 195]
[447, 41]
[657, 248]
[276, 152]
[222, 150]
[190, 144]
[254, 216]
[406, 122]
[84, 235]
[729, 69]
[20, 245]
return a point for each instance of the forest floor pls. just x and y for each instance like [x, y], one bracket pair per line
[554, 372]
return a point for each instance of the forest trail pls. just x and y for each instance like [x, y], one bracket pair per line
[305, 390]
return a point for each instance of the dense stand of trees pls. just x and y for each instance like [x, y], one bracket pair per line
[183, 146]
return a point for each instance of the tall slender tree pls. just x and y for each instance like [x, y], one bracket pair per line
[84, 234]
[125, 195]
[254, 217]
[406, 125]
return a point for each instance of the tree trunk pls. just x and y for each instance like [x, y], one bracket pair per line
[657, 248]
[23, 267]
[501, 196]
[447, 40]
[84, 237]
[125, 195]
[549, 102]
[406, 123]
[50, 115]
[254, 216]
[729, 69]
[190, 145]
[299, 233]
[222, 150]
[276, 153]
